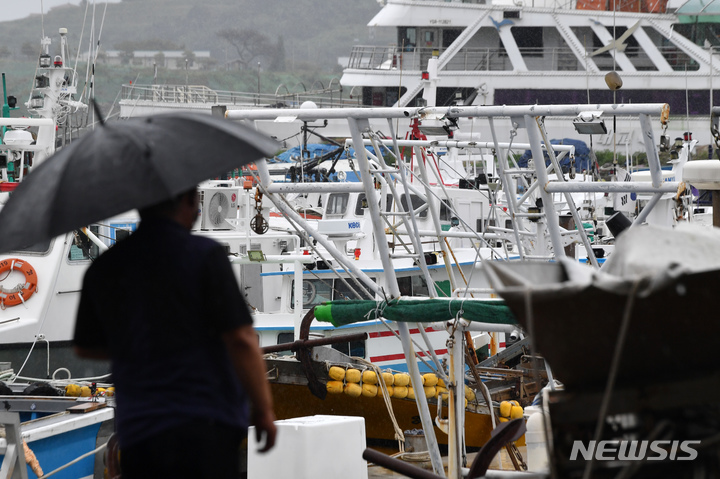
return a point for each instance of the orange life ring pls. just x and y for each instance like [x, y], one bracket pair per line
[23, 291]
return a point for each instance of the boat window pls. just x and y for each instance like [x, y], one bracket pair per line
[120, 231]
[429, 38]
[444, 212]
[417, 202]
[362, 204]
[342, 291]
[353, 348]
[315, 291]
[82, 249]
[449, 35]
[284, 338]
[419, 286]
[337, 204]
[407, 38]
[405, 285]
[38, 248]
[413, 285]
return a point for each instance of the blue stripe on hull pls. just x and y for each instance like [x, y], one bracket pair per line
[55, 451]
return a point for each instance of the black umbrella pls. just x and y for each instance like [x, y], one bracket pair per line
[124, 165]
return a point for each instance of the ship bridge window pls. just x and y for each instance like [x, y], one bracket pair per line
[407, 38]
[417, 203]
[82, 249]
[429, 38]
[413, 285]
[316, 291]
[347, 291]
[444, 212]
[449, 35]
[337, 204]
[38, 248]
[362, 204]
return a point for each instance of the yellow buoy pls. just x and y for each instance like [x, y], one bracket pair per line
[110, 391]
[352, 376]
[72, 390]
[400, 392]
[388, 378]
[503, 419]
[391, 390]
[402, 379]
[353, 389]
[505, 408]
[516, 412]
[514, 402]
[336, 373]
[441, 383]
[334, 387]
[369, 377]
[469, 394]
[440, 390]
[429, 380]
[430, 391]
[369, 390]
[411, 393]
[443, 397]
[85, 392]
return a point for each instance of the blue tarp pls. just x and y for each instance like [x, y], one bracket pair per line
[582, 156]
[315, 150]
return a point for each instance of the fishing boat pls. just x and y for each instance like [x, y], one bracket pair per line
[39, 292]
[41, 283]
[534, 235]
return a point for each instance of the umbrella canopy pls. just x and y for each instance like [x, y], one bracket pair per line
[125, 165]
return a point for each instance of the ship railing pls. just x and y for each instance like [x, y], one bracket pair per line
[466, 59]
[284, 97]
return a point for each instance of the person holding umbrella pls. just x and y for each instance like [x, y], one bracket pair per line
[165, 307]
[162, 304]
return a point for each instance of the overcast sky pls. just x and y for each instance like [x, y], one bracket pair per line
[14, 9]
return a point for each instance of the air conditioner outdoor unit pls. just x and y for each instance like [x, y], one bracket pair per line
[217, 206]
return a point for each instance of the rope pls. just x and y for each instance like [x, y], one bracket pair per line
[399, 435]
[87, 454]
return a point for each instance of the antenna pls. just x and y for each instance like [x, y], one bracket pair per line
[42, 18]
[99, 114]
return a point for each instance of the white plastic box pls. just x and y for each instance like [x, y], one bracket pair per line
[312, 447]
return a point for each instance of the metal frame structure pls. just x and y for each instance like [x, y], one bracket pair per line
[529, 118]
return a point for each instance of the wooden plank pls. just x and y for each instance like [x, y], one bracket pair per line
[86, 407]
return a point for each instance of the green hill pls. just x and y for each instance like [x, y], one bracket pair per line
[313, 31]
[313, 34]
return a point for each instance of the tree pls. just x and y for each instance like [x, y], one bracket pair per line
[189, 57]
[278, 58]
[29, 50]
[249, 44]
[159, 59]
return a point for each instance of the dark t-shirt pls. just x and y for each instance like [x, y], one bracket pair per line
[158, 301]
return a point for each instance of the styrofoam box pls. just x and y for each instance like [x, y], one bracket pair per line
[312, 447]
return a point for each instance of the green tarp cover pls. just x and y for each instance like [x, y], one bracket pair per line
[340, 313]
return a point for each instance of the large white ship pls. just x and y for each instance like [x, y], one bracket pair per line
[545, 52]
